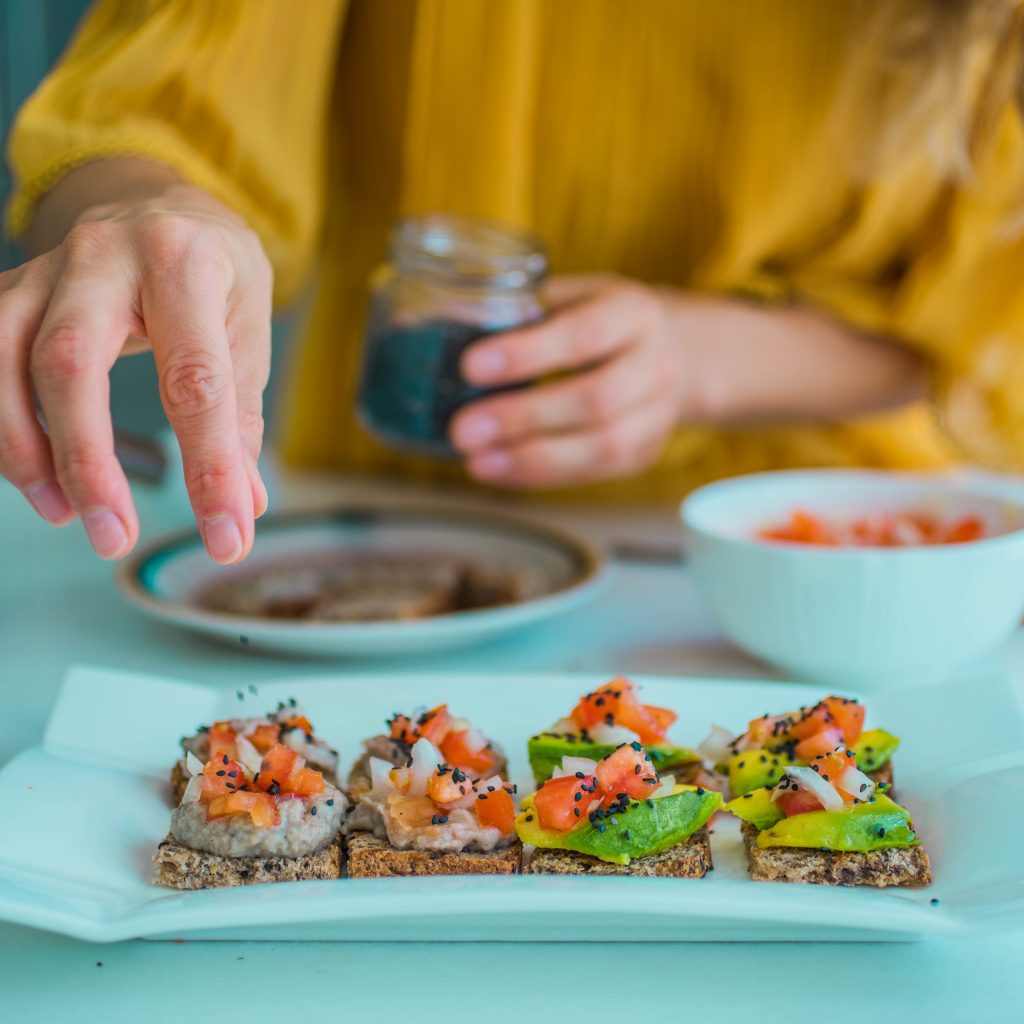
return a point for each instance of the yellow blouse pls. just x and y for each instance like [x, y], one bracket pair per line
[680, 141]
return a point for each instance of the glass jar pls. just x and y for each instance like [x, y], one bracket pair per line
[451, 280]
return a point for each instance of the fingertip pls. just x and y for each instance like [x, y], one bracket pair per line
[472, 430]
[109, 536]
[492, 466]
[484, 364]
[223, 539]
[50, 503]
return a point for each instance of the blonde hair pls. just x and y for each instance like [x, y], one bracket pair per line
[937, 74]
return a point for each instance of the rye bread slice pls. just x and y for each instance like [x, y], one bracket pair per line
[690, 859]
[879, 868]
[370, 857]
[180, 867]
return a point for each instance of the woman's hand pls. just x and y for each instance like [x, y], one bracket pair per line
[175, 271]
[610, 418]
[642, 360]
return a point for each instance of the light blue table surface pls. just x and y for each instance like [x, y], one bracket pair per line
[58, 606]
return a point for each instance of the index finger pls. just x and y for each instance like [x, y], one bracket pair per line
[575, 336]
[185, 316]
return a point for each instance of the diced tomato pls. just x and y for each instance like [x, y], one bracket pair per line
[663, 717]
[617, 704]
[456, 752]
[260, 807]
[848, 715]
[563, 803]
[434, 725]
[305, 782]
[278, 764]
[627, 770]
[403, 729]
[222, 740]
[820, 743]
[967, 529]
[882, 530]
[264, 736]
[763, 731]
[448, 785]
[812, 721]
[299, 722]
[496, 810]
[831, 765]
[220, 776]
[797, 801]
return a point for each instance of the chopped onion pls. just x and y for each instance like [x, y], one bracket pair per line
[717, 747]
[248, 755]
[459, 725]
[665, 787]
[474, 740]
[425, 759]
[572, 765]
[854, 782]
[613, 735]
[380, 775]
[808, 779]
[193, 765]
[294, 738]
[565, 725]
[192, 790]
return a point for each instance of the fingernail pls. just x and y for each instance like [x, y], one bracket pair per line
[491, 464]
[106, 532]
[486, 365]
[476, 431]
[261, 500]
[49, 501]
[223, 538]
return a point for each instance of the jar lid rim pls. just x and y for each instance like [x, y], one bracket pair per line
[469, 250]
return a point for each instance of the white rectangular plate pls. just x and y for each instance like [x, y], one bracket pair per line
[81, 815]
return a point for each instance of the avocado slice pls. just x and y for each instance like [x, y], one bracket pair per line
[547, 749]
[752, 769]
[874, 748]
[757, 807]
[877, 824]
[644, 827]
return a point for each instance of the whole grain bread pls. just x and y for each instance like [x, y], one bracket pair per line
[370, 857]
[883, 774]
[690, 859]
[879, 868]
[180, 867]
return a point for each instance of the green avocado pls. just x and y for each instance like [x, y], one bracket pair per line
[757, 807]
[547, 749]
[878, 824]
[874, 748]
[644, 827]
[752, 769]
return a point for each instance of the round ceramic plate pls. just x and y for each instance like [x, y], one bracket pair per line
[170, 578]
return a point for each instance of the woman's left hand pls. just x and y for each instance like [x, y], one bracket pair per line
[610, 418]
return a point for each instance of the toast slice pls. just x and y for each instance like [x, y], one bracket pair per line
[180, 867]
[370, 857]
[690, 859]
[879, 868]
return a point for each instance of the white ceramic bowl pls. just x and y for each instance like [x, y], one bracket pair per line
[857, 617]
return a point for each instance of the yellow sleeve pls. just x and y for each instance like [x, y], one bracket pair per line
[957, 296]
[233, 94]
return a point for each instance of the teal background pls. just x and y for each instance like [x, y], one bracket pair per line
[33, 34]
